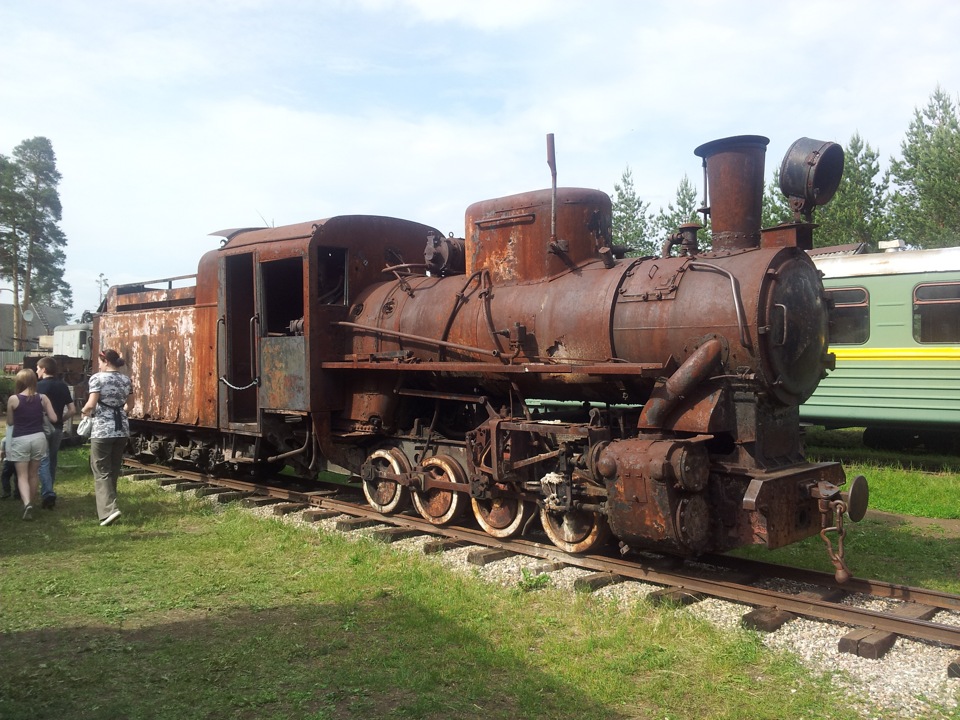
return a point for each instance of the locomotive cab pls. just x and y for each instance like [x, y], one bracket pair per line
[283, 292]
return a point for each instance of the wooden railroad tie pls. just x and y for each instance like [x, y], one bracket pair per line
[874, 644]
[393, 534]
[356, 523]
[255, 501]
[318, 515]
[136, 476]
[285, 508]
[231, 496]
[485, 556]
[208, 491]
[595, 581]
[432, 547]
[181, 486]
[769, 619]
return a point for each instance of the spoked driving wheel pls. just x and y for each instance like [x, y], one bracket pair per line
[436, 505]
[575, 531]
[386, 496]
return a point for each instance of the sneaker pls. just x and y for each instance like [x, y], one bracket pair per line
[28, 512]
[48, 502]
[110, 518]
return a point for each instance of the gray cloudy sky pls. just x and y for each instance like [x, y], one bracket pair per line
[175, 118]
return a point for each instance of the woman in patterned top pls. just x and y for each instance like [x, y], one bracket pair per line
[110, 390]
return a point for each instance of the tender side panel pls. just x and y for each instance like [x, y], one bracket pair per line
[171, 361]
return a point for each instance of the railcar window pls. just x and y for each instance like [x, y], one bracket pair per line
[331, 276]
[282, 294]
[849, 316]
[936, 313]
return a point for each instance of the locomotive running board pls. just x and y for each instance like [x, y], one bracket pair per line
[648, 369]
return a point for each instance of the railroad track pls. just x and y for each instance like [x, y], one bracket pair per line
[727, 578]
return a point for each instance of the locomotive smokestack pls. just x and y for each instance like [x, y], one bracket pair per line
[734, 177]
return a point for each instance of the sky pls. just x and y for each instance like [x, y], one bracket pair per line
[173, 119]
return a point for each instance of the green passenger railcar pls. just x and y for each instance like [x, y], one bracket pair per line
[895, 331]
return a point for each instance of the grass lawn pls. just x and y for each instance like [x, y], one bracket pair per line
[181, 610]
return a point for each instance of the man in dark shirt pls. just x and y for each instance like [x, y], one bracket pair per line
[62, 401]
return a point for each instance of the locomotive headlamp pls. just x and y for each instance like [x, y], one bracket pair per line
[810, 173]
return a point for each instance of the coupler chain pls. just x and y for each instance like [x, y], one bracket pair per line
[834, 510]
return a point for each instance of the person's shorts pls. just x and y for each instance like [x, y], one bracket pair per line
[27, 447]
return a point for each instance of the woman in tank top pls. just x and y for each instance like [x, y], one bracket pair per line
[27, 444]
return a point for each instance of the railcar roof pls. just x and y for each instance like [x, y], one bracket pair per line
[240, 237]
[890, 263]
[246, 236]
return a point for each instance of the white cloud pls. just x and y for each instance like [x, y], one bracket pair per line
[488, 15]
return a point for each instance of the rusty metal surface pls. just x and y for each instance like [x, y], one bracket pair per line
[284, 374]
[510, 237]
[646, 313]
[734, 173]
[173, 375]
[656, 498]
[156, 298]
[560, 324]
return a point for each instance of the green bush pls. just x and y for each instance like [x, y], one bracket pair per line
[6, 390]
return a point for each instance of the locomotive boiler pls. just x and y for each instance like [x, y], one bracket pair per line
[529, 369]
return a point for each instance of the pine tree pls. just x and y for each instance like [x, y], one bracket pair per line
[32, 244]
[856, 214]
[683, 210]
[925, 206]
[776, 207]
[631, 219]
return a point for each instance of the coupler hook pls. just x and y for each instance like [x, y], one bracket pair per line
[836, 508]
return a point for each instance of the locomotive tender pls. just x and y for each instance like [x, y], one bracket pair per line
[528, 368]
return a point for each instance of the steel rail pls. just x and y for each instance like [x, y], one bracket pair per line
[876, 588]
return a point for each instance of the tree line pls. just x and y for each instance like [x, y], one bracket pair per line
[916, 200]
[32, 245]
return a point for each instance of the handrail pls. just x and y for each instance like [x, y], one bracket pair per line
[737, 302]
[254, 360]
[418, 338]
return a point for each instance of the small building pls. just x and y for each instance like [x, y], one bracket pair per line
[38, 331]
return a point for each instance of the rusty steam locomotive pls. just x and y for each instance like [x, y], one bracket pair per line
[530, 368]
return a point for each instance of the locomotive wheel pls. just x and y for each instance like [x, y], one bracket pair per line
[575, 531]
[436, 506]
[386, 496]
[502, 517]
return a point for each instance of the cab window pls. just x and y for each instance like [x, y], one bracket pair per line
[283, 296]
[331, 276]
